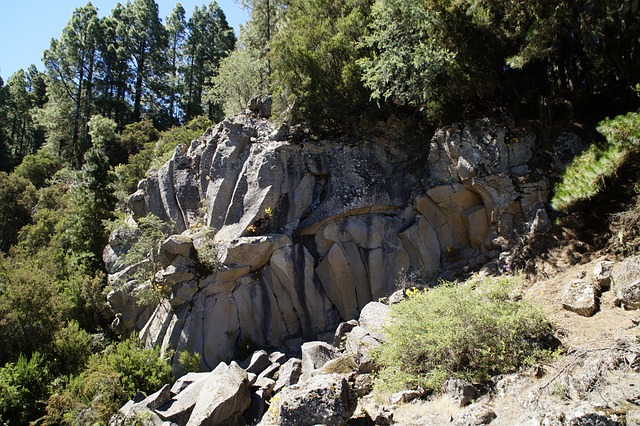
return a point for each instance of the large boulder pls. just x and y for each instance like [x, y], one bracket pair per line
[316, 354]
[218, 397]
[223, 398]
[289, 374]
[581, 296]
[325, 399]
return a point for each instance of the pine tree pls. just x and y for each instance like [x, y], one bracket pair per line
[210, 40]
[177, 30]
[71, 63]
[147, 41]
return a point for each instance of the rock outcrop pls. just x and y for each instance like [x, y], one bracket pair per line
[303, 233]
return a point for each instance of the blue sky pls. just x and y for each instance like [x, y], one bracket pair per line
[27, 26]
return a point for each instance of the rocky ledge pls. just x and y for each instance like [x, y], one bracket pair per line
[304, 232]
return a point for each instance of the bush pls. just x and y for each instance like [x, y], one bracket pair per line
[190, 362]
[72, 348]
[30, 308]
[109, 380]
[470, 331]
[17, 199]
[585, 176]
[39, 167]
[24, 386]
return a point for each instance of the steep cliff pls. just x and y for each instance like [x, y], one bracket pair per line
[306, 232]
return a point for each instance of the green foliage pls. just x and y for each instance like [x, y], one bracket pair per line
[210, 40]
[72, 347]
[19, 136]
[133, 138]
[456, 57]
[24, 387]
[110, 379]
[444, 56]
[30, 308]
[470, 331]
[140, 369]
[39, 167]
[266, 19]
[150, 233]
[17, 199]
[314, 60]
[580, 42]
[85, 300]
[585, 176]
[189, 362]
[70, 62]
[91, 205]
[242, 76]
[409, 57]
[102, 131]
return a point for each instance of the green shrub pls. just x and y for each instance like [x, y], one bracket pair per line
[190, 362]
[585, 176]
[18, 197]
[141, 369]
[72, 348]
[30, 308]
[39, 167]
[108, 381]
[24, 387]
[470, 331]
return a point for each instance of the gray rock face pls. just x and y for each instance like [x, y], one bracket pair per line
[373, 318]
[602, 274]
[257, 362]
[306, 232]
[625, 277]
[326, 399]
[405, 396]
[315, 355]
[289, 374]
[218, 397]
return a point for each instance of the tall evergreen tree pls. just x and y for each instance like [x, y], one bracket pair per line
[147, 40]
[210, 40]
[19, 135]
[5, 162]
[71, 63]
[114, 66]
[267, 17]
[177, 31]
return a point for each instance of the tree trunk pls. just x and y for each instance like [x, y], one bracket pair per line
[139, 80]
[76, 115]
